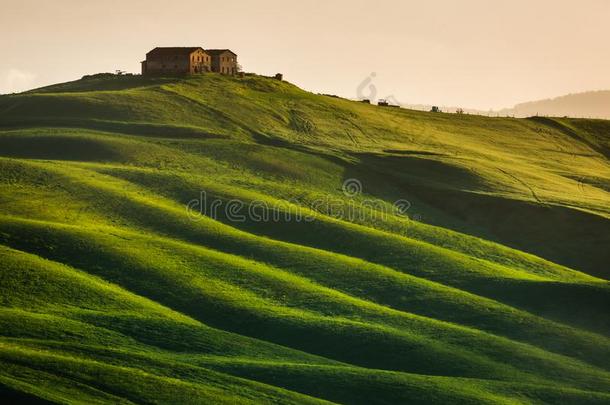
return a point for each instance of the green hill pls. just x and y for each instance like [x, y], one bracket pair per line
[302, 283]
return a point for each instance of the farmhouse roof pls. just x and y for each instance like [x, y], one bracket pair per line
[175, 50]
[219, 51]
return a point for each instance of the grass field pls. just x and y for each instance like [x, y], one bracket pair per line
[490, 287]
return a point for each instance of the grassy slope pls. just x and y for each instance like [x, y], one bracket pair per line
[110, 292]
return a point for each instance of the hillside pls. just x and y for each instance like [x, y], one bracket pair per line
[491, 286]
[590, 104]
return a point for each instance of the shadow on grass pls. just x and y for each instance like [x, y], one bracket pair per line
[563, 235]
[127, 128]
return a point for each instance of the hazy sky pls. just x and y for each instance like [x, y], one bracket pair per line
[470, 53]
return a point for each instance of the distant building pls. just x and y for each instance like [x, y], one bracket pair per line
[189, 60]
[223, 61]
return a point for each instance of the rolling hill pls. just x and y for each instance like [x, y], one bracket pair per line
[590, 104]
[222, 239]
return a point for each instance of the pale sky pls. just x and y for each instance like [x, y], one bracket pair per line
[470, 53]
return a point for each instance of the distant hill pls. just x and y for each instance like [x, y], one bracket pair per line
[591, 104]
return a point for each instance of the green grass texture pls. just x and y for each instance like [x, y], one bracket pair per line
[491, 288]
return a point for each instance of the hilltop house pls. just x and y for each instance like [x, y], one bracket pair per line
[189, 60]
[223, 61]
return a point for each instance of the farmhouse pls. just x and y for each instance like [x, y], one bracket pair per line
[223, 61]
[189, 60]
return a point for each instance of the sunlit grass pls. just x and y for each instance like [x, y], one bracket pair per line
[491, 290]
